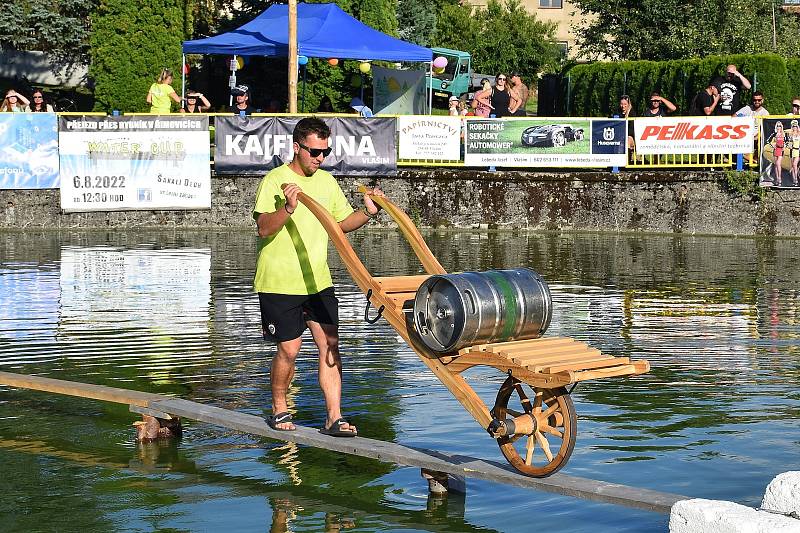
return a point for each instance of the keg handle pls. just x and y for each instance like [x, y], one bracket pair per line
[366, 310]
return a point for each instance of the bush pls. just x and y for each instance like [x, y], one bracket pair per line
[131, 42]
[793, 69]
[594, 89]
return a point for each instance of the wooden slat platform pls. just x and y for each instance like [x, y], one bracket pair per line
[453, 464]
[566, 359]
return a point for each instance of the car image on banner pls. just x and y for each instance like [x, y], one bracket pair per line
[556, 135]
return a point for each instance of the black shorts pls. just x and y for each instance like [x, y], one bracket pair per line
[284, 316]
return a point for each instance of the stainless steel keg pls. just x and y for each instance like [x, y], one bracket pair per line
[452, 311]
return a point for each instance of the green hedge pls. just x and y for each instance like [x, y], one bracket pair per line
[131, 42]
[793, 69]
[594, 89]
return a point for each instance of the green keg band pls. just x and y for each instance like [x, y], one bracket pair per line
[509, 296]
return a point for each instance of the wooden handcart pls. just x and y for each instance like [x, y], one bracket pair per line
[533, 418]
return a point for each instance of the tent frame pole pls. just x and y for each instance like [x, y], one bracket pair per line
[292, 56]
[183, 79]
[430, 87]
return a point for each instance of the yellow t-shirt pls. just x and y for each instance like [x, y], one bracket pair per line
[295, 259]
[160, 101]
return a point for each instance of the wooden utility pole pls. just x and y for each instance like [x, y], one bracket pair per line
[293, 56]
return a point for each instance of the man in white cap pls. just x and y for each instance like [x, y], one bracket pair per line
[361, 108]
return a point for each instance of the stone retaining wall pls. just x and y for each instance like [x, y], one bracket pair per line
[683, 202]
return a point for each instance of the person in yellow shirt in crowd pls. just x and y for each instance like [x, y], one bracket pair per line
[292, 279]
[161, 92]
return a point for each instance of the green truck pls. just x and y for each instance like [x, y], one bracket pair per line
[457, 78]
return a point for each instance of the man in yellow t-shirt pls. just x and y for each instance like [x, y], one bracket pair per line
[293, 281]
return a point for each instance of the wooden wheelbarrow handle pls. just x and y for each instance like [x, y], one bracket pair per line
[410, 232]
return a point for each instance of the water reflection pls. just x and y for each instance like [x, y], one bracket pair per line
[174, 313]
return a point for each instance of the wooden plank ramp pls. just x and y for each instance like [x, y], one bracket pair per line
[453, 464]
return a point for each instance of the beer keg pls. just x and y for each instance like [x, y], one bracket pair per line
[452, 311]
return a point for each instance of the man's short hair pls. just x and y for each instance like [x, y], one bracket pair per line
[310, 125]
[655, 93]
[758, 93]
[716, 81]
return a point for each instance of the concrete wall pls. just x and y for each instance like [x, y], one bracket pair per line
[685, 202]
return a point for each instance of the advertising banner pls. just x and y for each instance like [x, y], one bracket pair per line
[146, 162]
[545, 142]
[780, 152]
[399, 92]
[429, 137]
[255, 145]
[29, 154]
[694, 135]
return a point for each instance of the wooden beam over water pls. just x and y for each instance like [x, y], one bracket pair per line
[457, 465]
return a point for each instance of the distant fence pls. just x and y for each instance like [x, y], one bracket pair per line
[41, 150]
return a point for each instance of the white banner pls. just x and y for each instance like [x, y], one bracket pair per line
[694, 135]
[429, 137]
[130, 162]
[398, 92]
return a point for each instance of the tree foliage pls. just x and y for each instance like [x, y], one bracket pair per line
[131, 42]
[416, 21]
[501, 38]
[59, 28]
[680, 29]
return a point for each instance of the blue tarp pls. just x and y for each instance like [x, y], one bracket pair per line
[323, 30]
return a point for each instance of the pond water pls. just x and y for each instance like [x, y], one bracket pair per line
[173, 313]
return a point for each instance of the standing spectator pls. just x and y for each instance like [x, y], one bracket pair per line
[191, 105]
[242, 95]
[625, 107]
[755, 109]
[40, 105]
[502, 98]
[463, 108]
[361, 108]
[796, 105]
[794, 150]
[453, 106]
[482, 101]
[659, 106]
[161, 92]
[520, 90]
[729, 91]
[14, 102]
[705, 102]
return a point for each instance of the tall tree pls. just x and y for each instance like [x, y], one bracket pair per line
[59, 28]
[132, 41]
[416, 20]
[502, 37]
[676, 29]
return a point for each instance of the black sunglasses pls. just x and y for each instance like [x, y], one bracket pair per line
[795, 105]
[315, 152]
[501, 79]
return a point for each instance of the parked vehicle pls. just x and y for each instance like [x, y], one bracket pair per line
[458, 78]
[551, 135]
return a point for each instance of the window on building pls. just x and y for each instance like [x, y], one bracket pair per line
[550, 3]
[563, 47]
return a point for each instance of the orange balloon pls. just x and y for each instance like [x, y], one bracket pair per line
[333, 61]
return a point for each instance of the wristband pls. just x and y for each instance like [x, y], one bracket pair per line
[286, 208]
[369, 215]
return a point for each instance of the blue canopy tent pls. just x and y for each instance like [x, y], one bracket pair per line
[323, 30]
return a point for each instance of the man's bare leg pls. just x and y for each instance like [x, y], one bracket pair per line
[326, 337]
[280, 376]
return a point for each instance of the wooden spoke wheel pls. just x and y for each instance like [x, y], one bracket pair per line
[546, 447]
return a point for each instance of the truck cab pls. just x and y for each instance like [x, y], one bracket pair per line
[457, 76]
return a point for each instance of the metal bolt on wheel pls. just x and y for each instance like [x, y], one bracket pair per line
[549, 445]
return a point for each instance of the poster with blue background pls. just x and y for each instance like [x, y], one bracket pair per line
[28, 151]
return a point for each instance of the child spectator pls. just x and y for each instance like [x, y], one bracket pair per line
[453, 106]
[161, 92]
[14, 102]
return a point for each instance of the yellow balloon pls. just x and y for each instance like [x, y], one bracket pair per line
[240, 62]
[364, 67]
[437, 70]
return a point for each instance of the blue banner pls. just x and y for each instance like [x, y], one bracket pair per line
[28, 151]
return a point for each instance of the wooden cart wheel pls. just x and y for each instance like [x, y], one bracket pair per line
[548, 447]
